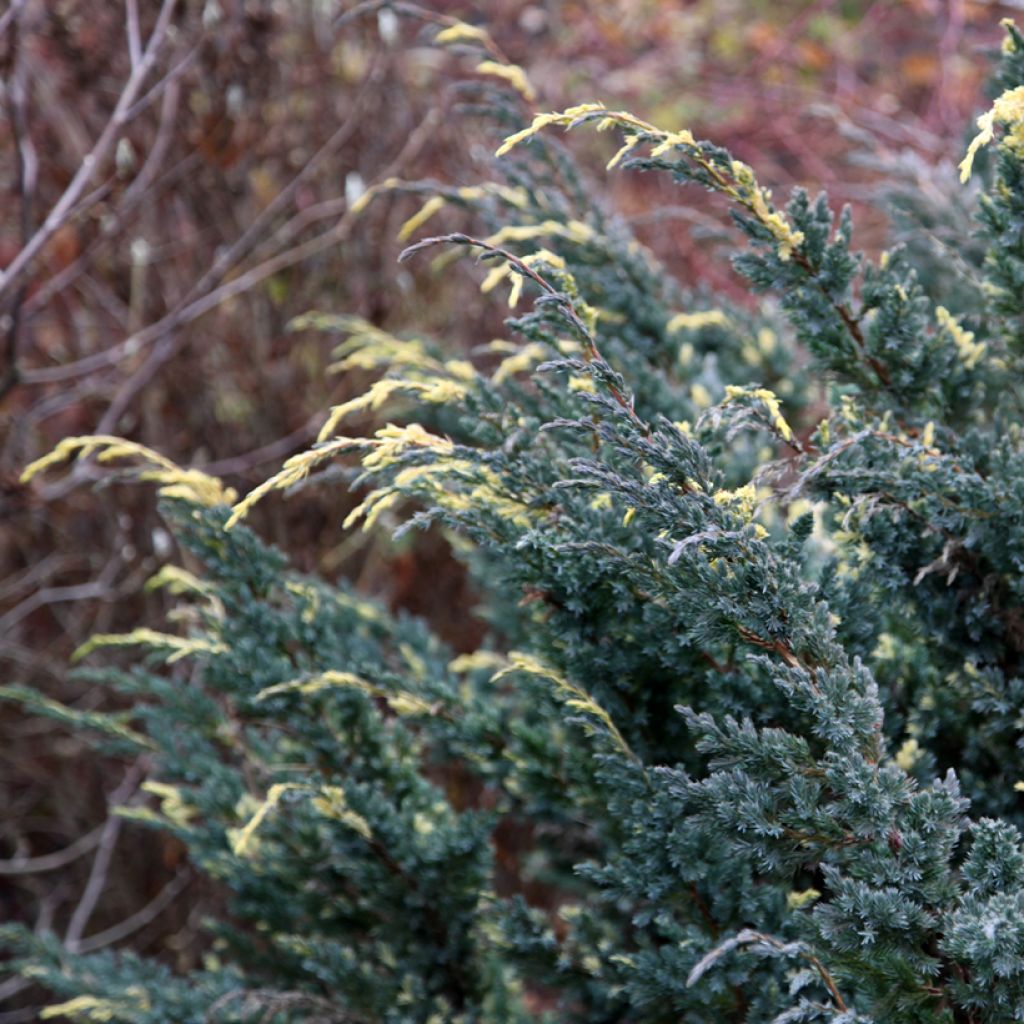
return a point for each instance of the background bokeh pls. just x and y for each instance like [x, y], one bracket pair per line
[158, 308]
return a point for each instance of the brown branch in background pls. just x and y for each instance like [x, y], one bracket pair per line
[101, 862]
[143, 916]
[27, 167]
[94, 159]
[53, 861]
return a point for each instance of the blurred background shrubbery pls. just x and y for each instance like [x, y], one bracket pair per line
[158, 307]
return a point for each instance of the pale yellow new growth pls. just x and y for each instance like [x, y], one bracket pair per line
[527, 357]
[1008, 109]
[969, 350]
[908, 754]
[401, 702]
[373, 398]
[583, 384]
[756, 200]
[546, 257]
[332, 803]
[476, 660]
[461, 32]
[542, 121]
[670, 140]
[100, 1011]
[573, 696]
[372, 192]
[172, 803]
[382, 450]
[241, 838]
[694, 321]
[178, 581]
[369, 347]
[771, 403]
[390, 442]
[572, 230]
[744, 503]
[700, 395]
[798, 900]
[433, 205]
[181, 647]
[511, 73]
[297, 468]
[738, 183]
[372, 507]
[513, 195]
[632, 141]
[175, 482]
[495, 276]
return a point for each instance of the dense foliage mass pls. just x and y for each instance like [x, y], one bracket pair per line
[752, 699]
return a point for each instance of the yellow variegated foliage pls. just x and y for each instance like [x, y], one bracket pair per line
[770, 402]
[401, 702]
[477, 660]
[694, 321]
[461, 32]
[98, 1010]
[175, 482]
[381, 450]
[969, 350]
[330, 801]
[179, 646]
[541, 121]
[797, 900]
[738, 182]
[433, 205]
[908, 754]
[172, 803]
[1008, 109]
[570, 230]
[511, 73]
[242, 838]
[572, 696]
[178, 581]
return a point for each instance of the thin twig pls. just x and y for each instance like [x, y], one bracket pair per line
[52, 595]
[131, 18]
[271, 452]
[52, 861]
[27, 165]
[10, 15]
[101, 862]
[93, 160]
[203, 295]
[137, 921]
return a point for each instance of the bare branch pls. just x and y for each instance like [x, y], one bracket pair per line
[11, 14]
[94, 159]
[27, 168]
[52, 861]
[137, 921]
[101, 862]
[134, 36]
